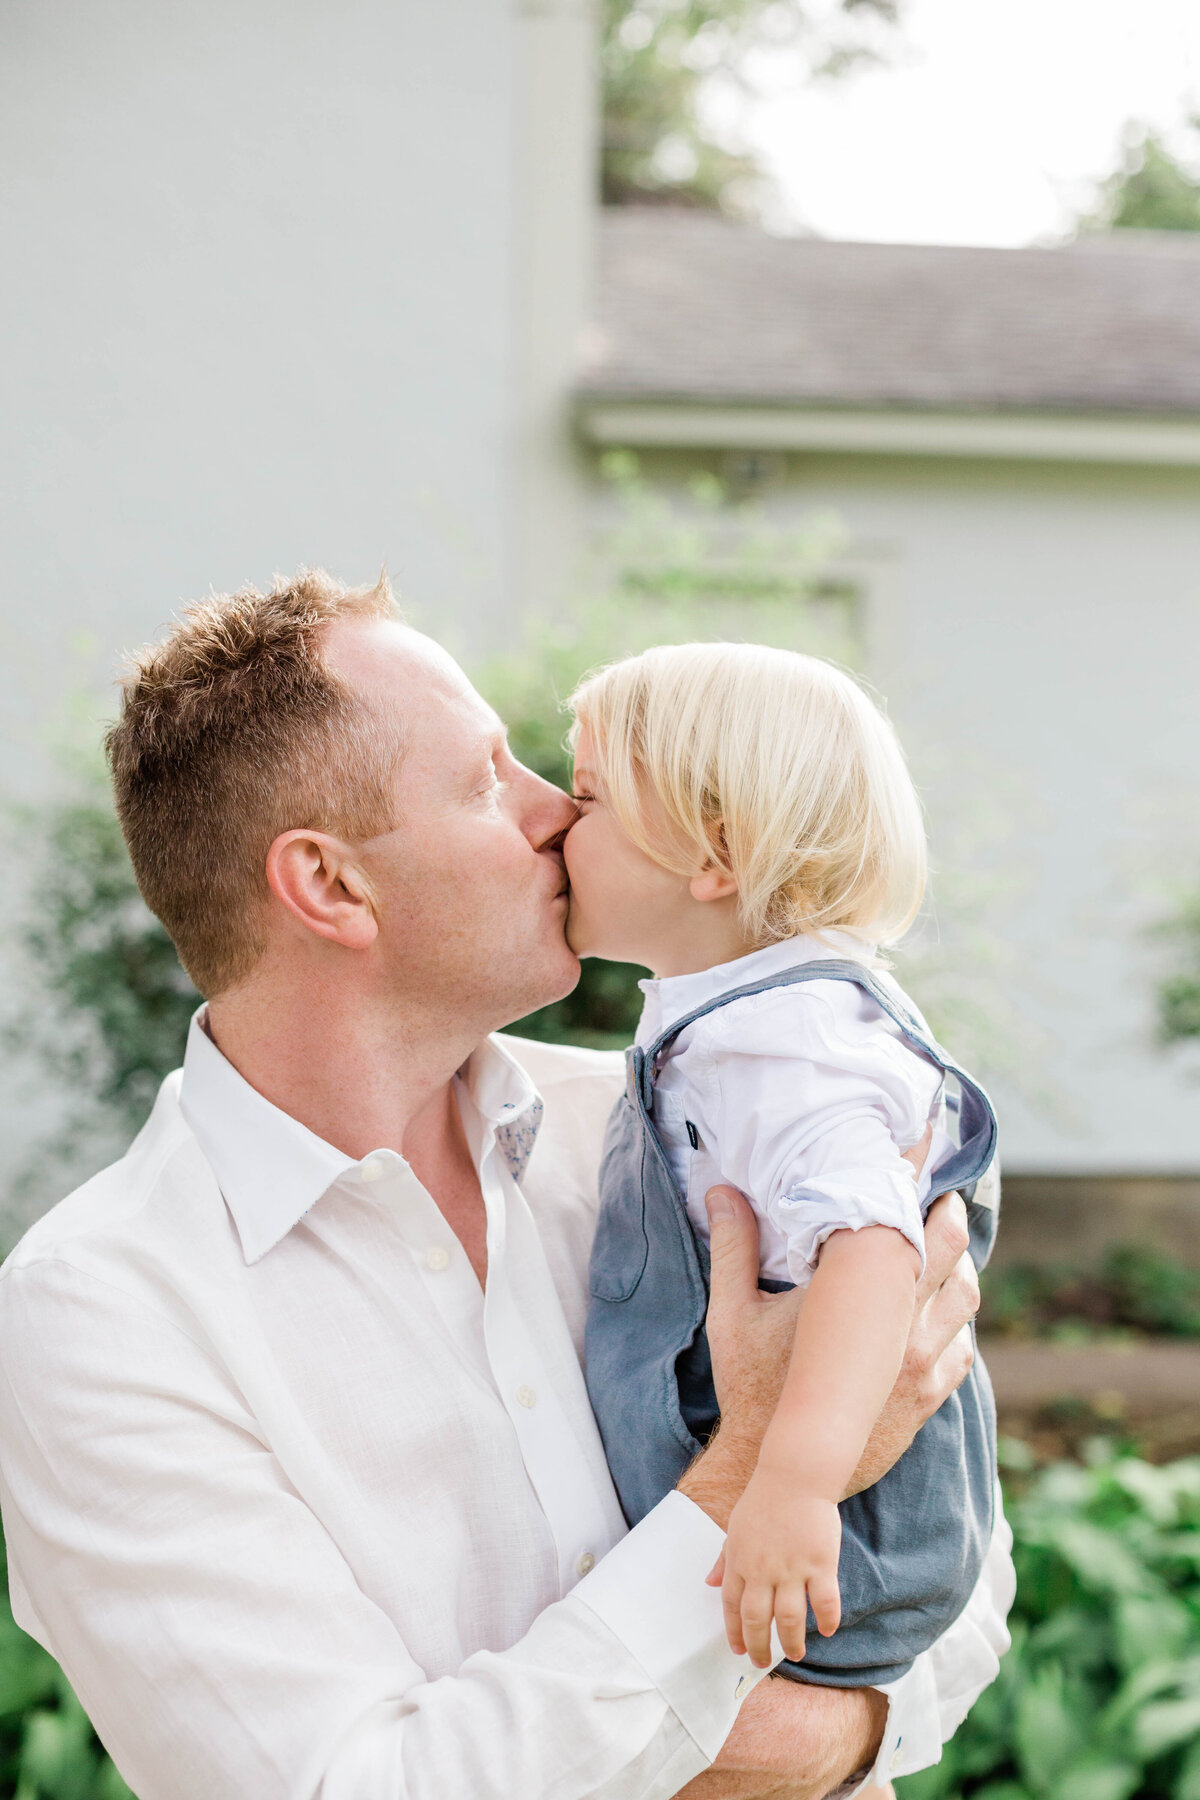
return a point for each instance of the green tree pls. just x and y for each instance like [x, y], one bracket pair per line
[656, 56]
[1153, 190]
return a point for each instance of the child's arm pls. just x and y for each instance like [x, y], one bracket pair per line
[784, 1533]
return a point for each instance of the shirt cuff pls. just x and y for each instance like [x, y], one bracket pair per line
[912, 1737]
[650, 1592]
[928, 1703]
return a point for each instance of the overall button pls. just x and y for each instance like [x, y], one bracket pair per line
[526, 1396]
[586, 1563]
[437, 1258]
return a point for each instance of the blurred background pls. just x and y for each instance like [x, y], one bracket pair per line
[869, 327]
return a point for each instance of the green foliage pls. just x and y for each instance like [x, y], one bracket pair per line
[1099, 1697]
[655, 56]
[1179, 991]
[1153, 190]
[48, 1750]
[111, 1012]
[1134, 1289]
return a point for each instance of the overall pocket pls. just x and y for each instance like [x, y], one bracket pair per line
[621, 1247]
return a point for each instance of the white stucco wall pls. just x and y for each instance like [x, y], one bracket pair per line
[1042, 630]
[300, 283]
[282, 283]
[1036, 631]
[256, 311]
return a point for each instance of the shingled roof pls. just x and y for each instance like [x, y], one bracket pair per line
[697, 309]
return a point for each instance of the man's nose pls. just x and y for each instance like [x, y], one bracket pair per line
[549, 813]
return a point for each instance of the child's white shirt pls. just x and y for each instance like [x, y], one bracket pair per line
[803, 1097]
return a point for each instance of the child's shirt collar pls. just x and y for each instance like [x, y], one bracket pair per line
[672, 997]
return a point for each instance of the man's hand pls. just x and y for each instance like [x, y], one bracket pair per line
[750, 1334]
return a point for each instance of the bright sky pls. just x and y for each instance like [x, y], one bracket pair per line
[991, 129]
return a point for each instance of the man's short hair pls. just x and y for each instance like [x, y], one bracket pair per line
[232, 730]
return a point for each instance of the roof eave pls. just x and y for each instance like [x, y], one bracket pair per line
[645, 421]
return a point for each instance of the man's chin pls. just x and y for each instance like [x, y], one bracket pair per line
[542, 995]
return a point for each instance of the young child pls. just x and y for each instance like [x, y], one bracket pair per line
[748, 830]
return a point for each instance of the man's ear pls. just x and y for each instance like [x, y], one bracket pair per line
[712, 884]
[320, 881]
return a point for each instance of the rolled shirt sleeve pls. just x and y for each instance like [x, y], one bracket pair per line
[810, 1098]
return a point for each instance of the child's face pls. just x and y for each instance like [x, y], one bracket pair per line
[624, 906]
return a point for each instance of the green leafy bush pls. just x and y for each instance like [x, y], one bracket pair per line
[48, 1750]
[1135, 1288]
[1099, 1697]
[1179, 990]
[112, 1005]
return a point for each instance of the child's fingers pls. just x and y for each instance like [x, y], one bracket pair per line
[757, 1609]
[716, 1575]
[826, 1601]
[791, 1619]
[731, 1601]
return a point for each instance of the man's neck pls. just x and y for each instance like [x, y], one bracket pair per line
[356, 1072]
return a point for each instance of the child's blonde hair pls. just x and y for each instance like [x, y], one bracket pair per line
[772, 766]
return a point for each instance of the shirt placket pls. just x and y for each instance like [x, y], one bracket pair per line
[554, 1460]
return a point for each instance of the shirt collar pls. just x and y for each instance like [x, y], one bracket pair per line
[672, 997]
[508, 1104]
[271, 1169]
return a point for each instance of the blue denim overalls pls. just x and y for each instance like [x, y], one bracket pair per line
[912, 1545]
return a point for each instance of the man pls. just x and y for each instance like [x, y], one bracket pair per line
[299, 1477]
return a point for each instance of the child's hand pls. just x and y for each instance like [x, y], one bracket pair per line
[781, 1552]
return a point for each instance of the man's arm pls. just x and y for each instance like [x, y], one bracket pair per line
[216, 1632]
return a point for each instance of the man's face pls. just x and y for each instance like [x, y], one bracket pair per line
[471, 885]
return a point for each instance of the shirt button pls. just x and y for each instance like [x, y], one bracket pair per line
[372, 1171]
[740, 1689]
[586, 1563]
[437, 1258]
[895, 1761]
[526, 1396]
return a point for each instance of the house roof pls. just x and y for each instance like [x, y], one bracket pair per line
[694, 308]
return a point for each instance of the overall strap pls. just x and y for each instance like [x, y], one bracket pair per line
[976, 1120]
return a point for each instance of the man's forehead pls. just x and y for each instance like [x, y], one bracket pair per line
[394, 664]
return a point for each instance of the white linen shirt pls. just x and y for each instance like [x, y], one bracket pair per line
[305, 1513]
[803, 1097]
